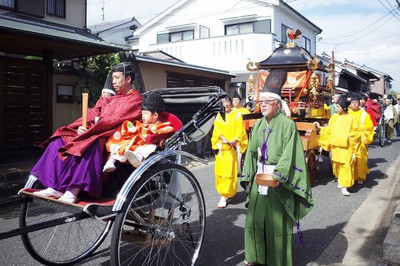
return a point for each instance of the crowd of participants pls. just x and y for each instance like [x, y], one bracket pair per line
[351, 128]
[128, 127]
[273, 172]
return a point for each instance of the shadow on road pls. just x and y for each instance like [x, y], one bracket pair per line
[316, 240]
[223, 240]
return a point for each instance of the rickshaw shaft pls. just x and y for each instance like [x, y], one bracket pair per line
[13, 201]
[44, 225]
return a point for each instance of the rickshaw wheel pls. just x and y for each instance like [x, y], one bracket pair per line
[64, 244]
[381, 131]
[311, 161]
[162, 221]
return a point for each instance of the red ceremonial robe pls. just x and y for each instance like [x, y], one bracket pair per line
[111, 112]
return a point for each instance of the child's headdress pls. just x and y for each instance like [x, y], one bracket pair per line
[153, 102]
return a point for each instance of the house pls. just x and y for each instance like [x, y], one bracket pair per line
[351, 77]
[172, 73]
[225, 34]
[35, 34]
[378, 82]
[36, 98]
[116, 32]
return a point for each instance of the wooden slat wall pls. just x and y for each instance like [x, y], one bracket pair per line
[23, 106]
[175, 80]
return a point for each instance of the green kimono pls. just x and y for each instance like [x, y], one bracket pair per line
[270, 218]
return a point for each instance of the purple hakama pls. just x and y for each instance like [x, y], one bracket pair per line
[84, 172]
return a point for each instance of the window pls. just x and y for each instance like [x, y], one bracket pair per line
[32, 7]
[306, 44]
[204, 32]
[261, 26]
[65, 93]
[239, 28]
[284, 37]
[163, 38]
[7, 3]
[56, 8]
[175, 36]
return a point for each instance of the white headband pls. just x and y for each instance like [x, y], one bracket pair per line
[271, 94]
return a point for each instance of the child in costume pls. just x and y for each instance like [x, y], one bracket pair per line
[135, 141]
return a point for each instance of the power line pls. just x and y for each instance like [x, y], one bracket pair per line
[358, 39]
[391, 11]
[358, 30]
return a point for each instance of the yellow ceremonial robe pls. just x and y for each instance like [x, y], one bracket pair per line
[366, 128]
[342, 138]
[244, 111]
[226, 160]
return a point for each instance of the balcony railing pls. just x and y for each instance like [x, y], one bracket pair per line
[226, 52]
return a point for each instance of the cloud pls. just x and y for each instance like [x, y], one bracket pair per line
[121, 9]
[359, 31]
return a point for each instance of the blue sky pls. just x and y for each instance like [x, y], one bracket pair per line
[362, 31]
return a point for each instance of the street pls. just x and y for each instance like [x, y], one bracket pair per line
[223, 242]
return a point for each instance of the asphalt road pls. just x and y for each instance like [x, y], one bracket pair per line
[223, 242]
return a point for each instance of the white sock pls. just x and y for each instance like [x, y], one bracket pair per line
[139, 156]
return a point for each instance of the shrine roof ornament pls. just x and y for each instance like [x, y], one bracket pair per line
[290, 56]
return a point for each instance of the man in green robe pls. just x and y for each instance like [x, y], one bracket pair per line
[275, 145]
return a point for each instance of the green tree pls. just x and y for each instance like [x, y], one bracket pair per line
[96, 69]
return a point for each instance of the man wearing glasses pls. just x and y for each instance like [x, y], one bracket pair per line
[275, 149]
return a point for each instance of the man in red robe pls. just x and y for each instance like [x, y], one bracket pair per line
[373, 108]
[72, 161]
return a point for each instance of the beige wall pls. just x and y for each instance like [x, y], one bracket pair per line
[64, 113]
[155, 75]
[379, 87]
[75, 14]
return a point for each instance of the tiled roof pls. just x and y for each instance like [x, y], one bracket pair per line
[109, 25]
[38, 32]
[11, 21]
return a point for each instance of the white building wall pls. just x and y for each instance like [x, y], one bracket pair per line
[228, 52]
[232, 52]
[293, 22]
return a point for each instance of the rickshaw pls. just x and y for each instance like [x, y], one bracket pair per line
[155, 213]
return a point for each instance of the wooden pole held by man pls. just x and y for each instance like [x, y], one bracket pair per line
[85, 98]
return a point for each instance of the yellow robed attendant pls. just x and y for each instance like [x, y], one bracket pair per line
[244, 111]
[237, 105]
[342, 138]
[366, 128]
[229, 138]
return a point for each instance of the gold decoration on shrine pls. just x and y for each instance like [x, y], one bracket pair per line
[292, 35]
[330, 85]
[330, 67]
[250, 66]
[251, 87]
[313, 85]
[313, 64]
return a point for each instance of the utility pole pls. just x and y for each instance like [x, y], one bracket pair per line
[102, 12]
